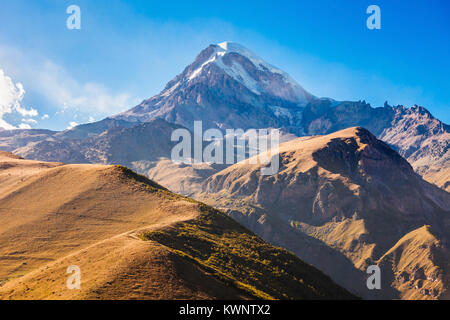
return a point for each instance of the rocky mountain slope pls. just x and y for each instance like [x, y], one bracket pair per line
[353, 194]
[419, 137]
[346, 197]
[13, 139]
[424, 141]
[123, 231]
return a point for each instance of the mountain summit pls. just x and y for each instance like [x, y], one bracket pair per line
[354, 194]
[132, 239]
[227, 86]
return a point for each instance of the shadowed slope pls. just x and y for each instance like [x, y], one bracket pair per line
[348, 191]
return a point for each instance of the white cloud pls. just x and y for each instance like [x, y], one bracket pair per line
[72, 125]
[27, 112]
[45, 117]
[60, 89]
[11, 96]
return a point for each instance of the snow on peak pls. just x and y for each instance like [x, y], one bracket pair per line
[286, 88]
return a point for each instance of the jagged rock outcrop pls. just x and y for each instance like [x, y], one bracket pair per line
[115, 144]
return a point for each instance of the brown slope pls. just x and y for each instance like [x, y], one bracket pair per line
[417, 265]
[93, 216]
[439, 176]
[179, 177]
[347, 190]
[424, 141]
[121, 268]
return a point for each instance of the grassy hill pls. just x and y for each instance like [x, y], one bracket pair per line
[132, 239]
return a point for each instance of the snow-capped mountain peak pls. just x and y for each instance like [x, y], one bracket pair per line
[254, 73]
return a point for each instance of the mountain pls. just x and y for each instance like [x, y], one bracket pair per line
[324, 117]
[352, 193]
[13, 139]
[132, 239]
[341, 196]
[144, 147]
[227, 86]
[411, 264]
[424, 141]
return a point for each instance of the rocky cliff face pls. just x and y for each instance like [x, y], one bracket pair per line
[348, 190]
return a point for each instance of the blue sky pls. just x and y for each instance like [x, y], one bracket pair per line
[127, 51]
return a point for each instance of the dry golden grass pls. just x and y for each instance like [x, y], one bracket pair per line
[416, 255]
